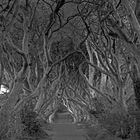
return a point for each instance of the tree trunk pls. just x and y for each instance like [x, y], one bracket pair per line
[91, 69]
[120, 104]
[136, 85]
[135, 20]
[132, 17]
[39, 102]
[137, 92]
[137, 10]
[103, 82]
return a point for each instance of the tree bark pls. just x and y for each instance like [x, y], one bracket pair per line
[136, 85]
[121, 100]
[137, 98]
[137, 10]
[91, 69]
[133, 19]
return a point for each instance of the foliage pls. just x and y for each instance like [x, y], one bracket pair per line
[32, 126]
[15, 126]
[121, 125]
[115, 121]
[99, 133]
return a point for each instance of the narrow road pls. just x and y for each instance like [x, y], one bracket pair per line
[64, 129]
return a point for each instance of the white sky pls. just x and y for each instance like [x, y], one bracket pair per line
[3, 89]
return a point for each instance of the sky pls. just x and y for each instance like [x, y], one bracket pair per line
[3, 89]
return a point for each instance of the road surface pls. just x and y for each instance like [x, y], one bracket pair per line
[64, 129]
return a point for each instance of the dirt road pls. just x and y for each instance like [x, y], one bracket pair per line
[64, 129]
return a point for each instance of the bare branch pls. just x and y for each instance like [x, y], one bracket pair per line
[64, 24]
[48, 5]
[22, 74]
[10, 24]
[6, 7]
[32, 17]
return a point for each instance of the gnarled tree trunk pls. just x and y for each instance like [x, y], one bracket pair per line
[136, 85]
[9, 105]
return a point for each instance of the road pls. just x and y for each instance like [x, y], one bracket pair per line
[64, 129]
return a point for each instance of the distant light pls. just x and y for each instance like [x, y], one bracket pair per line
[3, 89]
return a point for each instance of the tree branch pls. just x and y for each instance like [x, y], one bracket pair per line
[94, 88]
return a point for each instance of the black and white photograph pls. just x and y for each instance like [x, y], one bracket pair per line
[69, 69]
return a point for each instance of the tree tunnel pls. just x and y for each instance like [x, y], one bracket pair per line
[62, 103]
[78, 59]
